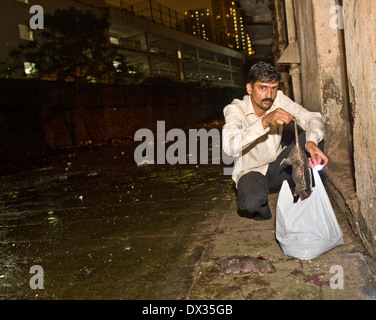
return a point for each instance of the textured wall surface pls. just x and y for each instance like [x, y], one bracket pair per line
[361, 64]
[338, 67]
[323, 87]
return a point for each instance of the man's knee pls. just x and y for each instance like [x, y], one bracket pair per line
[252, 203]
[252, 192]
[256, 211]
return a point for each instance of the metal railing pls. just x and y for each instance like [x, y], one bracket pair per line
[166, 16]
[158, 13]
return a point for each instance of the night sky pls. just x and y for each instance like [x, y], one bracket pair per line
[178, 5]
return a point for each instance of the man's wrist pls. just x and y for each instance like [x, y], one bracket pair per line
[265, 124]
[310, 145]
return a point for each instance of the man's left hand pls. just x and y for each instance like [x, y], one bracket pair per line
[316, 154]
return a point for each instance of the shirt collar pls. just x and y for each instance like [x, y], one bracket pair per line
[249, 106]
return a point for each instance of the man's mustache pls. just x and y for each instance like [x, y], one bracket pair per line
[266, 100]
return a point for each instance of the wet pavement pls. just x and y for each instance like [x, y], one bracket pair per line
[102, 227]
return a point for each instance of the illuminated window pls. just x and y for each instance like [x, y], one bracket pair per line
[116, 65]
[91, 79]
[23, 1]
[25, 32]
[114, 40]
[88, 53]
[30, 68]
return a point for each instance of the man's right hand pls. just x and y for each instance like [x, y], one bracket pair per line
[277, 117]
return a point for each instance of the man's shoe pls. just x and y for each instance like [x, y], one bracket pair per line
[263, 215]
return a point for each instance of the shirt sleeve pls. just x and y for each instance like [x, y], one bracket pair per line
[235, 135]
[311, 122]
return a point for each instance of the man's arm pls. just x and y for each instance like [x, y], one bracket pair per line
[281, 117]
[312, 123]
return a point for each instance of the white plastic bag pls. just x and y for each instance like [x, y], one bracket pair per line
[308, 228]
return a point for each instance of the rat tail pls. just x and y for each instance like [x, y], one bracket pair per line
[296, 133]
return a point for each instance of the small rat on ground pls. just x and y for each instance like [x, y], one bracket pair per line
[300, 170]
[243, 264]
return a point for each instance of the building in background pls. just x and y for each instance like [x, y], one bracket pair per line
[200, 21]
[158, 41]
[229, 27]
[155, 40]
[223, 26]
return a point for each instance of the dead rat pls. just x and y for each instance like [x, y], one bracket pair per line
[243, 264]
[300, 170]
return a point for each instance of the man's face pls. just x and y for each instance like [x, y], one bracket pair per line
[263, 94]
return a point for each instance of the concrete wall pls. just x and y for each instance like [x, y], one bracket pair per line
[338, 65]
[36, 116]
[322, 76]
[311, 98]
[360, 41]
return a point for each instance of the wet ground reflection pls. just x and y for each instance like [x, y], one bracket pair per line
[104, 228]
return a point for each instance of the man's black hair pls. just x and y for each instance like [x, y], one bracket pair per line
[263, 72]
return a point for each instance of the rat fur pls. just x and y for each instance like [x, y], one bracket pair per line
[238, 265]
[300, 170]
